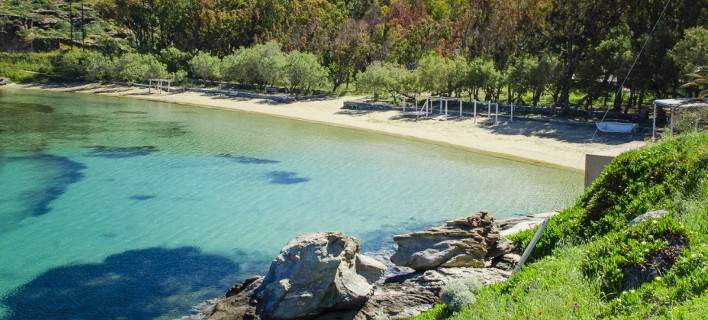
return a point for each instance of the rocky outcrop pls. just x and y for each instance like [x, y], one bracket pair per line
[369, 268]
[323, 276]
[313, 274]
[463, 242]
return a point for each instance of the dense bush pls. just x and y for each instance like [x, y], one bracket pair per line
[626, 259]
[303, 72]
[174, 59]
[657, 269]
[384, 77]
[262, 65]
[632, 184]
[205, 66]
[135, 67]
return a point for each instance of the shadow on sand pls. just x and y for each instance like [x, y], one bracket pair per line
[136, 284]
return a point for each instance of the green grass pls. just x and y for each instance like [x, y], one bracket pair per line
[25, 67]
[578, 271]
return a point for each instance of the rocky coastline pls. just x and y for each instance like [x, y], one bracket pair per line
[325, 276]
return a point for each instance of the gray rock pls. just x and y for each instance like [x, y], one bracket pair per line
[646, 216]
[510, 226]
[463, 242]
[314, 273]
[507, 261]
[370, 268]
[238, 303]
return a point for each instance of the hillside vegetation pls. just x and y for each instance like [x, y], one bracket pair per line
[569, 54]
[590, 263]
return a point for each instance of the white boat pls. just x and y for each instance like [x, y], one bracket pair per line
[616, 127]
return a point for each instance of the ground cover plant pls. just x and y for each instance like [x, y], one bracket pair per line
[592, 263]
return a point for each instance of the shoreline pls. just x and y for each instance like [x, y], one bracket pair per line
[546, 144]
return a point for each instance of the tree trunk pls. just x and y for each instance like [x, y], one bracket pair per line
[573, 59]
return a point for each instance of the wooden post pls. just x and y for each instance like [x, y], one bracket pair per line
[446, 102]
[489, 109]
[672, 120]
[460, 107]
[496, 113]
[511, 116]
[474, 113]
[532, 244]
[653, 123]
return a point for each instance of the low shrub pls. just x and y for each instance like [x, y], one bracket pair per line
[135, 67]
[635, 182]
[626, 259]
[459, 293]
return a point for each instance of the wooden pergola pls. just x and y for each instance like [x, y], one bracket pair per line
[673, 105]
[159, 85]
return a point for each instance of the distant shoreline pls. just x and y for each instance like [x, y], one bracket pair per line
[533, 142]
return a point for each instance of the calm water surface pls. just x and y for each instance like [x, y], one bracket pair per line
[118, 208]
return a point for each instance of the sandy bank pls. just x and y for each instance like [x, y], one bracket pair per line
[557, 144]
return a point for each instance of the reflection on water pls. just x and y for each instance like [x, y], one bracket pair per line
[116, 208]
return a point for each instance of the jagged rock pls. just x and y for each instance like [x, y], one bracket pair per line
[463, 242]
[4, 81]
[314, 273]
[371, 269]
[507, 261]
[513, 225]
[648, 215]
[238, 303]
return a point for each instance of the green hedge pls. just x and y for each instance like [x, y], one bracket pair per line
[635, 182]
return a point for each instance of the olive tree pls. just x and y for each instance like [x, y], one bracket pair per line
[482, 75]
[437, 74]
[303, 72]
[260, 65]
[382, 77]
[205, 66]
[135, 67]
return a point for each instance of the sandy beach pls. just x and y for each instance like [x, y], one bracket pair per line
[546, 143]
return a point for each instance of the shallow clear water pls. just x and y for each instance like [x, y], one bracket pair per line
[116, 208]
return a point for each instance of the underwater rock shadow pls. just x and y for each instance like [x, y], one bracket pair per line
[246, 159]
[285, 177]
[69, 172]
[135, 284]
[142, 197]
[120, 152]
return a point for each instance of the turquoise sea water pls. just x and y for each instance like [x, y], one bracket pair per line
[118, 208]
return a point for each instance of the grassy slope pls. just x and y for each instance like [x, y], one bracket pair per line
[578, 268]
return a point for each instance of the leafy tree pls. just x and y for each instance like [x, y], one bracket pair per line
[383, 77]
[135, 67]
[175, 59]
[483, 76]
[84, 64]
[303, 72]
[260, 65]
[438, 74]
[205, 66]
[691, 52]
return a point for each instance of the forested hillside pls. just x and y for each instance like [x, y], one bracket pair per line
[570, 51]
